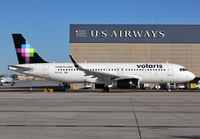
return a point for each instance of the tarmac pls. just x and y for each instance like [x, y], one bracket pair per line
[91, 114]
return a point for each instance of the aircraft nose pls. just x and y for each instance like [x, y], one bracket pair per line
[191, 76]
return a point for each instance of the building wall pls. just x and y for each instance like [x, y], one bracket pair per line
[184, 54]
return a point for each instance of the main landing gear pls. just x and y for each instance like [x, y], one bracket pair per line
[105, 89]
[64, 85]
[168, 88]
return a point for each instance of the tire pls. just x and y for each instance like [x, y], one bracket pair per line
[105, 89]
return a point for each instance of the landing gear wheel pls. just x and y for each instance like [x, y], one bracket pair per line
[168, 87]
[105, 89]
[169, 90]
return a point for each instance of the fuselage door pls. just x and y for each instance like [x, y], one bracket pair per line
[46, 70]
[169, 70]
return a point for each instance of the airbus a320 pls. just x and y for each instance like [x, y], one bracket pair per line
[118, 75]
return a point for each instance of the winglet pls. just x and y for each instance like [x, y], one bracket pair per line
[74, 62]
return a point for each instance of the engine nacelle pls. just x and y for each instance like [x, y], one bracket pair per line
[125, 83]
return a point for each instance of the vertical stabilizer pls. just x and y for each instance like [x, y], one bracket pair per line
[25, 52]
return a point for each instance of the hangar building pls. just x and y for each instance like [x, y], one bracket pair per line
[179, 44]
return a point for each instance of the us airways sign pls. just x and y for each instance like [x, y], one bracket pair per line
[121, 34]
[101, 33]
[128, 34]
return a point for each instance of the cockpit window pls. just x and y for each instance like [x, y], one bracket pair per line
[183, 69]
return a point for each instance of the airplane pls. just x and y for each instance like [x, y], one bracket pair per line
[109, 75]
[7, 80]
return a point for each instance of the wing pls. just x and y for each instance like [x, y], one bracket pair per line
[95, 74]
[103, 76]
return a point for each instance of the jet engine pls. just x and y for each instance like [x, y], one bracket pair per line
[125, 83]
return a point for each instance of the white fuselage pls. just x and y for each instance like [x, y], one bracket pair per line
[145, 72]
[6, 80]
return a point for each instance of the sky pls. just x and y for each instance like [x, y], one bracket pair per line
[45, 23]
